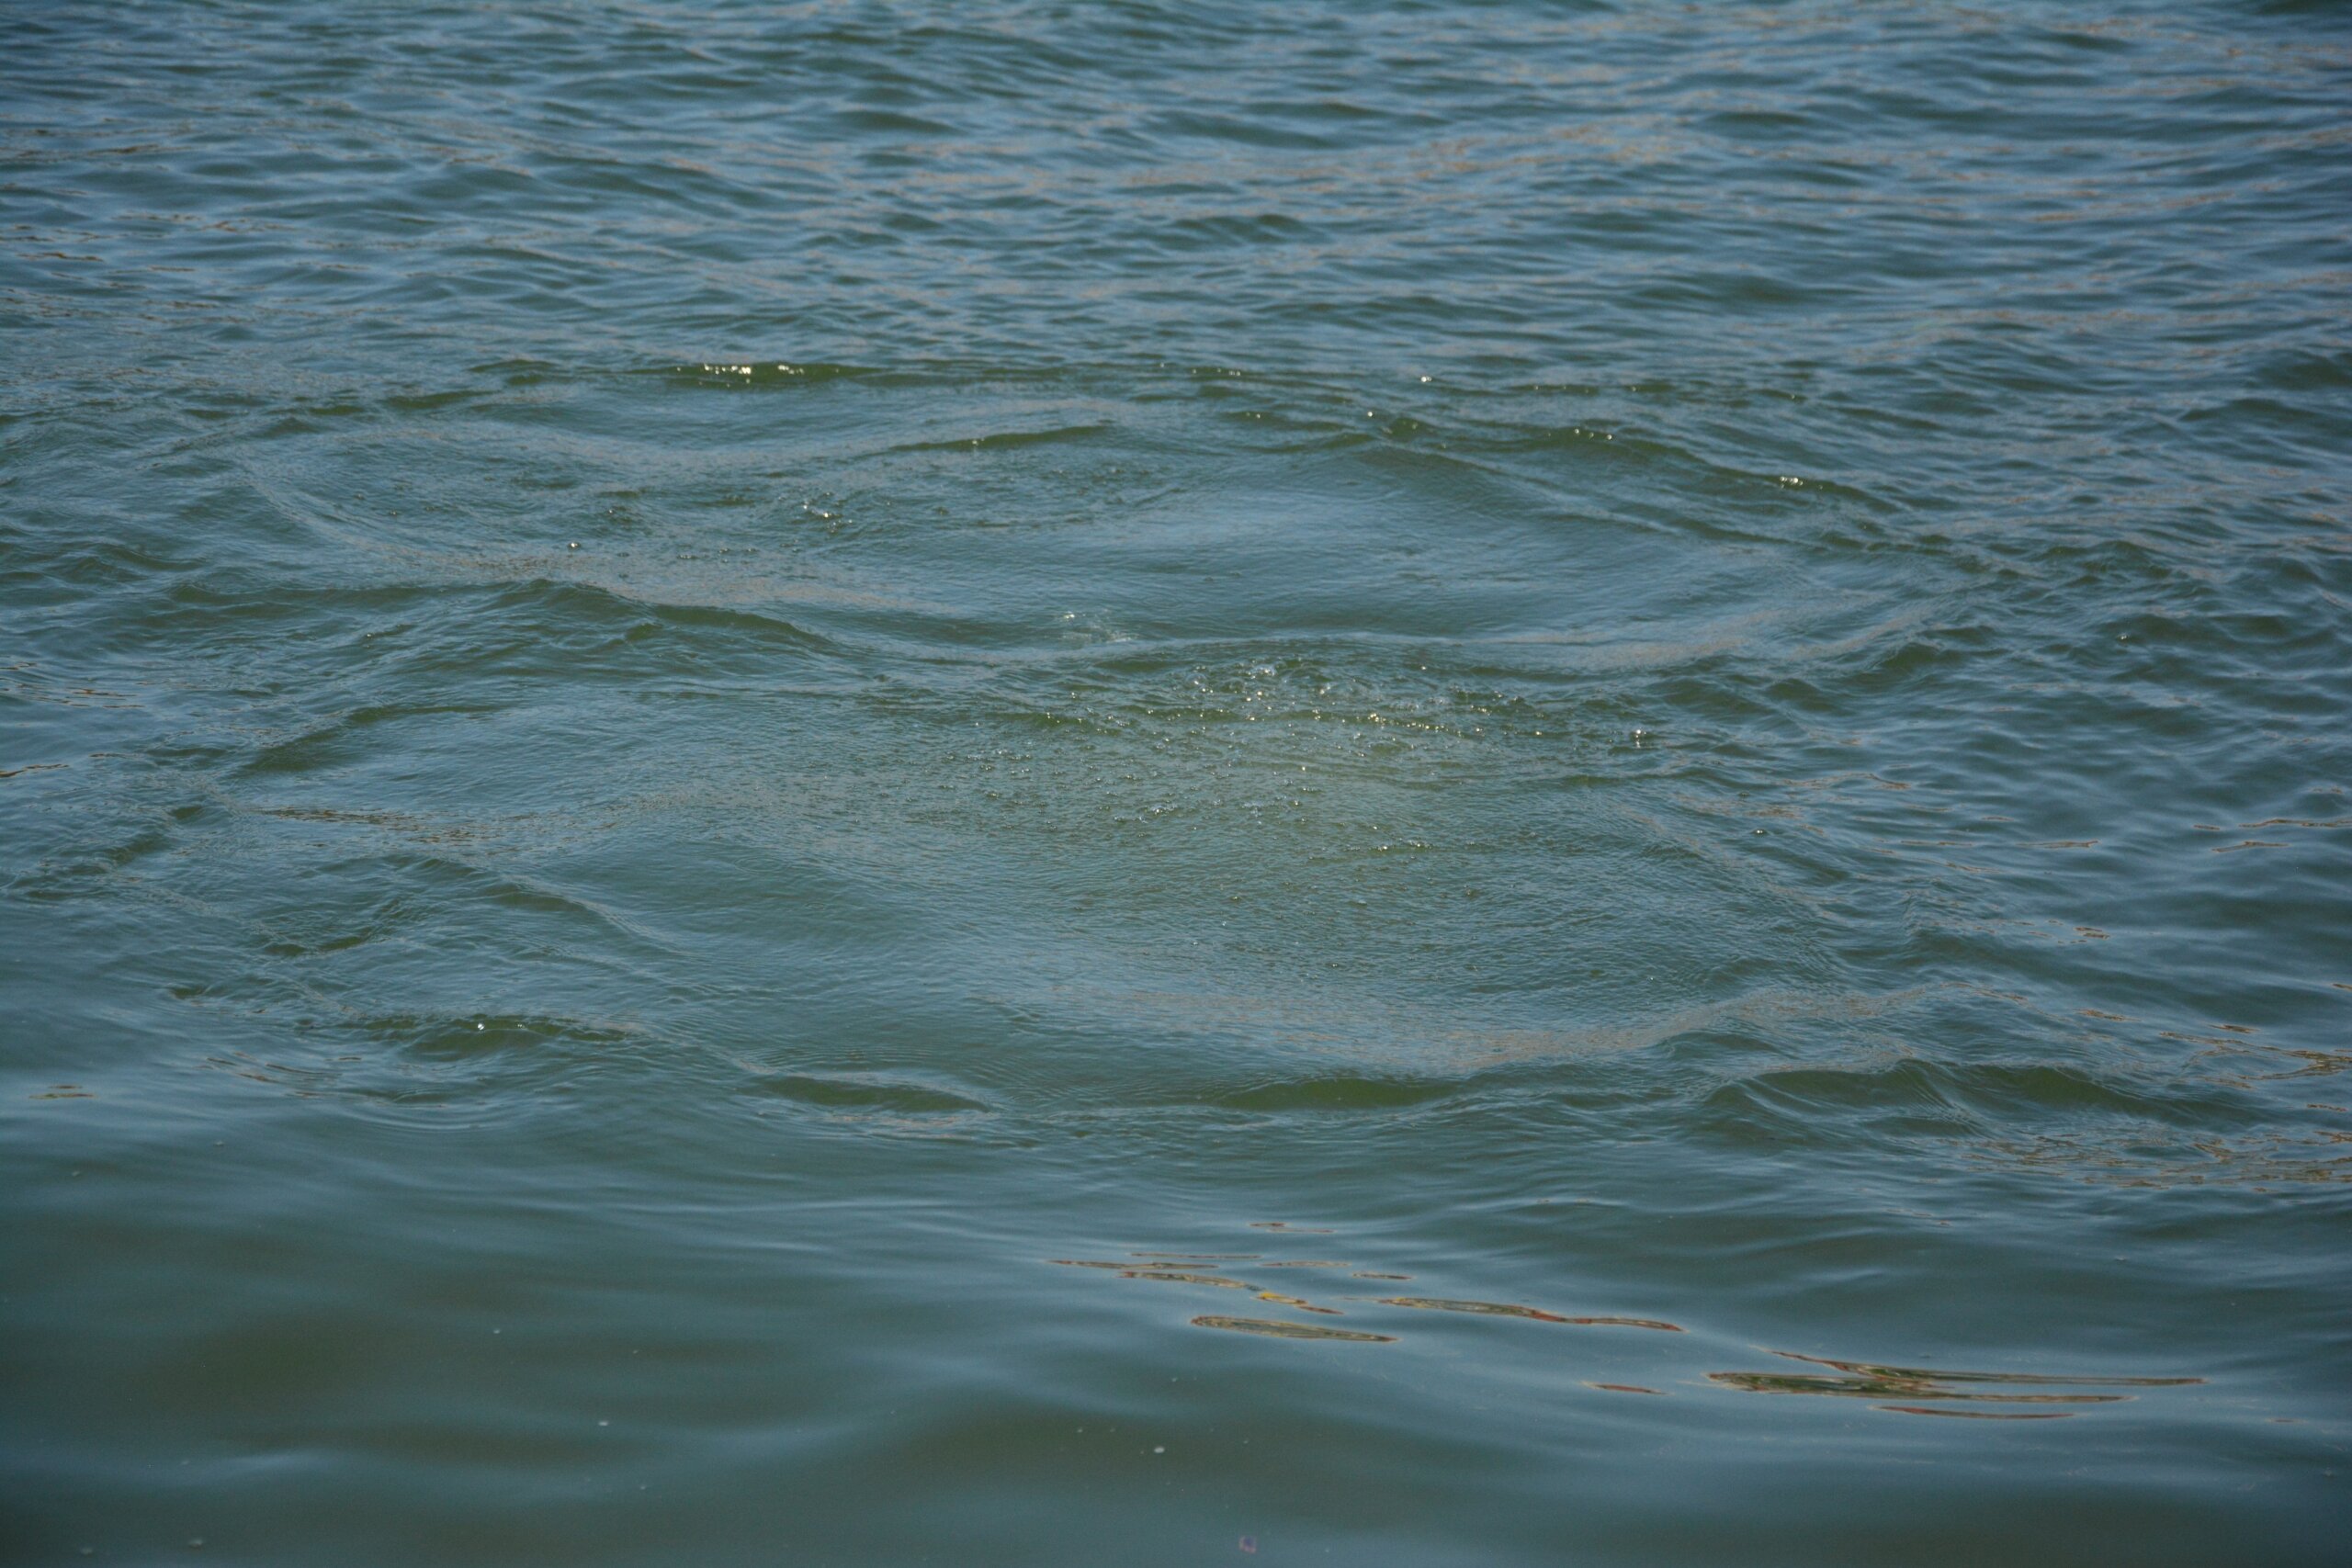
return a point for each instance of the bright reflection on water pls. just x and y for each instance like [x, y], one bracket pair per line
[1038, 783]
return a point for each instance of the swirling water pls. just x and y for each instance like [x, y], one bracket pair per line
[1609, 741]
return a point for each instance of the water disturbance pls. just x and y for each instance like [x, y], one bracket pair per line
[1046, 782]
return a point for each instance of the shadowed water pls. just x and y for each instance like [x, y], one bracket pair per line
[1082, 782]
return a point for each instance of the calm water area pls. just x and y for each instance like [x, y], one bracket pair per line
[1422, 784]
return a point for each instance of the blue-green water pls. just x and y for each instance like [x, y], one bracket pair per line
[696, 694]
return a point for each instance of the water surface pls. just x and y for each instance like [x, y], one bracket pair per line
[1429, 783]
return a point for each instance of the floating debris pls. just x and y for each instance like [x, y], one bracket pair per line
[1286, 1225]
[1502, 1309]
[1865, 1379]
[1275, 1328]
[1489, 1309]
[1868, 1369]
[1981, 1415]
[1881, 1388]
[1129, 1269]
[1175, 1268]
[1625, 1388]
[1658, 1324]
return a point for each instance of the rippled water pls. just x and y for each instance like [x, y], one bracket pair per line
[1064, 782]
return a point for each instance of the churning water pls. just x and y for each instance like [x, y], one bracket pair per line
[1131, 783]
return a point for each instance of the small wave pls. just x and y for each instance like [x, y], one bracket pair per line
[897, 1096]
[1336, 1092]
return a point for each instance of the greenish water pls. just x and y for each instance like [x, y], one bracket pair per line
[1413, 784]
